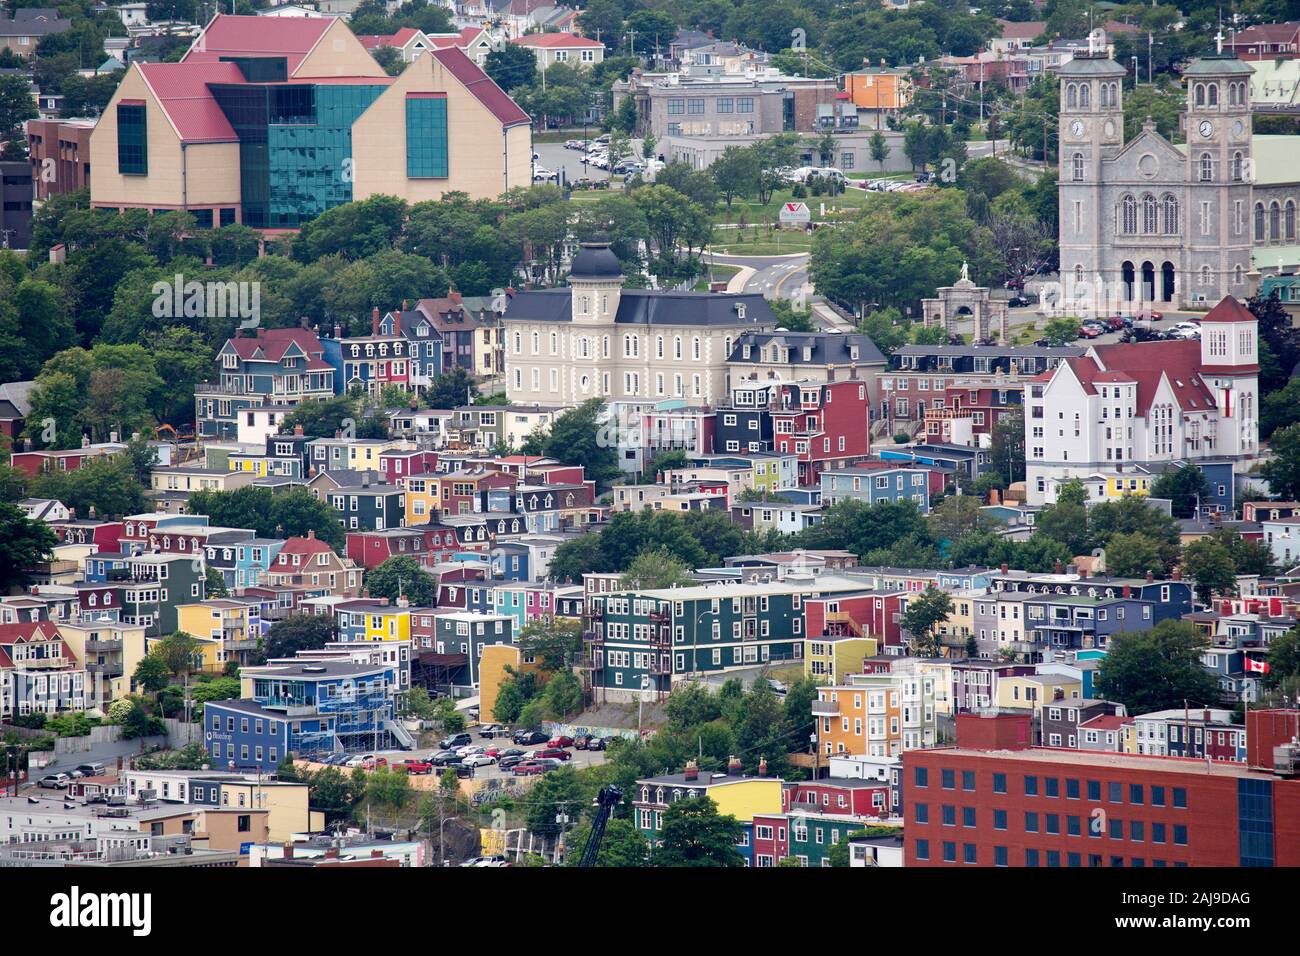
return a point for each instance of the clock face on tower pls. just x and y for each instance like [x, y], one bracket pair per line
[1206, 129]
[1076, 128]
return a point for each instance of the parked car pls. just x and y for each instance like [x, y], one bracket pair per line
[1018, 302]
[411, 765]
[553, 753]
[461, 769]
[528, 768]
[1149, 315]
[510, 761]
[374, 763]
[454, 741]
[584, 741]
[444, 758]
[777, 687]
[55, 781]
[1089, 332]
[88, 770]
[359, 760]
[489, 731]
[559, 740]
[478, 760]
[529, 737]
[468, 750]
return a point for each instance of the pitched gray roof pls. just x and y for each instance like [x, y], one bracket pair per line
[650, 307]
[828, 348]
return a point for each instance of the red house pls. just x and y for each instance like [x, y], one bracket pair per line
[823, 423]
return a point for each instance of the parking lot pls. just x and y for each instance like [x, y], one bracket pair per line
[577, 758]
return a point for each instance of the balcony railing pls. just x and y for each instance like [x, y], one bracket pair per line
[41, 663]
[239, 644]
[94, 646]
[109, 669]
[825, 708]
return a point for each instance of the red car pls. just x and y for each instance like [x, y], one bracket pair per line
[1088, 332]
[553, 753]
[375, 764]
[528, 768]
[560, 741]
[1149, 315]
[414, 766]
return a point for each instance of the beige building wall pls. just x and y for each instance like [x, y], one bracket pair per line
[492, 672]
[338, 53]
[483, 159]
[200, 174]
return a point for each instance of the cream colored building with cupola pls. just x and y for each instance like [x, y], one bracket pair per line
[598, 339]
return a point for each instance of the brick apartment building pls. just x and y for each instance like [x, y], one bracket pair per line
[993, 800]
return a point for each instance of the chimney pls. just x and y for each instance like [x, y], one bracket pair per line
[1058, 567]
[734, 765]
[1178, 574]
[374, 321]
[1003, 567]
[692, 770]
[311, 534]
[288, 851]
[397, 321]
[297, 431]
[1126, 591]
[1082, 568]
[1207, 717]
[454, 297]
[72, 513]
[338, 331]
[762, 766]
[1151, 576]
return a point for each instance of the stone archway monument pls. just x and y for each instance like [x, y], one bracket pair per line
[965, 296]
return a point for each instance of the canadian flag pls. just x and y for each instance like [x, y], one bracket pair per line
[1256, 667]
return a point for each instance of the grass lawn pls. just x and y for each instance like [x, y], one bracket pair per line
[757, 242]
[754, 212]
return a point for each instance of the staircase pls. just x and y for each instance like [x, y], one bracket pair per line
[400, 734]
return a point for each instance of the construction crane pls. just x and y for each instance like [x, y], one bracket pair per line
[606, 801]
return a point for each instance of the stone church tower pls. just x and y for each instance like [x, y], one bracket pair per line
[1146, 222]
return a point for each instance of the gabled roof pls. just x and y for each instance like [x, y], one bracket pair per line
[1179, 362]
[1229, 310]
[290, 37]
[399, 39]
[272, 344]
[182, 91]
[464, 38]
[552, 41]
[506, 111]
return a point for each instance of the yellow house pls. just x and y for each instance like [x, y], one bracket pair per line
[940, 674]
[421, 500]
[830, 659]
[387, 624]
[286, 804]
[251, 463]
[492, 673]
[233, 627]
[736, 796]
[960, 625]
[1117, 486]
[1034, 691]
[190, 478]
[109, 651]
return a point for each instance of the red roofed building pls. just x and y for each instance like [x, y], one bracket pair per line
[1267, 41]
[38, 672]
[1147, 404]
[176, 135]
[311, 563]
[269, 367]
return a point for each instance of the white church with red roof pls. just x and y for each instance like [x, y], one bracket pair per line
[1137, 408]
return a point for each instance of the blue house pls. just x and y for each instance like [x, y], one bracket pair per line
[874, 485]
[303, 708]
[253, 560]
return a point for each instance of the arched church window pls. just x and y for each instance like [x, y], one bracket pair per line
[1149, 217]
[1289, 219]
[1200, 94]
[1128, 215]
[1084, 96]
[1274, 220]
[1213, 93]
[1259, 222]
[1071, 95]
[1170, 210]
[1237, 167]
[1207, 168]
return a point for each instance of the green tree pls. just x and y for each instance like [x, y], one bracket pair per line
[23, 545]
[1066, 520]
[623, 845]
[1133, 555]
[555, 643]
[652, 570]
[1157, 669]
[924, 613]
[293, 513]
[151, 673]
[1282, 468]
[179, 652]
[1209, 563]
[694, 834]
[736, 173]
[1185, 487]
[580, 437]
[879, 149]
[557, 793]
[1062, 330]
[299, 632]
[104, 486]
[511, 67]
[402, 576]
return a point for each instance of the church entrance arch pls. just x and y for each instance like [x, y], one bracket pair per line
[1167, 282]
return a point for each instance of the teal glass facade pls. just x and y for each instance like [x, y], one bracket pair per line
[294, 141]
[426, 136]
[132, 140]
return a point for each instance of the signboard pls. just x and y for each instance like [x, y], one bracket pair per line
[795, 213]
